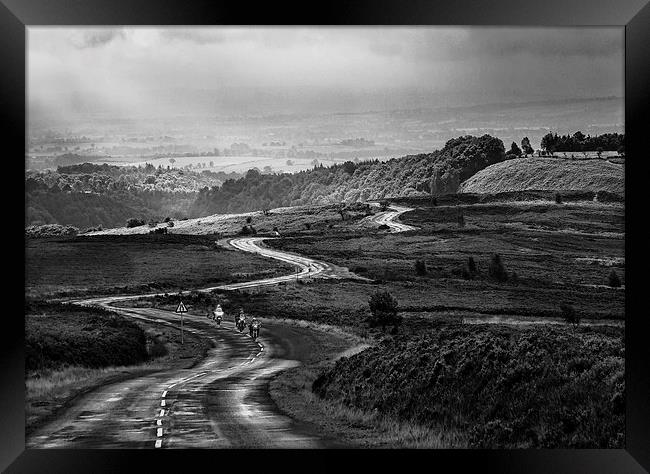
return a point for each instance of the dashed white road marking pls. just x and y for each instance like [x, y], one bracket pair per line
[164, 394]
[159, 422]
[158, 443]
[160, 432]
[162, 412]
[162, 403]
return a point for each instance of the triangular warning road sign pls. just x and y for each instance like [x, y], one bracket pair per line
[181, 308]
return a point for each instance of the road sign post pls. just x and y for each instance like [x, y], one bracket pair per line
[181, 309]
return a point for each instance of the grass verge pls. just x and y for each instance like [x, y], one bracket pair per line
[291, 391]
[55, 382]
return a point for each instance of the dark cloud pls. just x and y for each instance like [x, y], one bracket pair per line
[460, 44]
[95, 38]
[493, 64]
[197, 36]
[562, 42]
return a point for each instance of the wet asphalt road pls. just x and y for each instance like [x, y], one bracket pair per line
[223, 402]
[388, 218]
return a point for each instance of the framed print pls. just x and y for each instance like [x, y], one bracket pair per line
[262, 234]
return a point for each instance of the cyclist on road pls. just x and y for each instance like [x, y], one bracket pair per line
[242, 320]
[217, 315]
[255, 328]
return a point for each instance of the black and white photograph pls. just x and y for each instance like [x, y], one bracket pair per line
[332, 237]
[297, 237]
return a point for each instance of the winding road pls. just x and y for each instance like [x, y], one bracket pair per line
[388, 218]
[223, 401]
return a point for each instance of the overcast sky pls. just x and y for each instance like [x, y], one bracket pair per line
[173, 69]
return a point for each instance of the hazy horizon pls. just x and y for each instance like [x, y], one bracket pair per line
[235, 71]
[133, 94]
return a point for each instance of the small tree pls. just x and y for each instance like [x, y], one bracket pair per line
[558, 198]
[569, 314]
[514, 150]
[349, 167]
[383, 205]
[496, 270]
[248, 230]
[461, 219]
[343, 212]
[465, 273]
[383, 307]
[525, 145]
[420, 267]
[307, 225]
[170, 224]
[614, 280]
[249, 219]
[471, 264]
[133, 222]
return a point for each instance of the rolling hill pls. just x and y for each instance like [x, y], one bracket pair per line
[548, 174]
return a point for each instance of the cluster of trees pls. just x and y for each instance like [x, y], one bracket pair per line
[88, 195]
[525, 150]
[50, 230]
[552, 142]
[436, 173]
[104, 178]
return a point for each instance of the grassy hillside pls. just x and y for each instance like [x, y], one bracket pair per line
[507, 388]
[547, 174]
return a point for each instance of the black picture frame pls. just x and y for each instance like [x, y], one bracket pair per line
[634, 15]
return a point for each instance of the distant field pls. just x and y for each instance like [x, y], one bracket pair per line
[241, 164]
[547, 174]
[112, 264]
